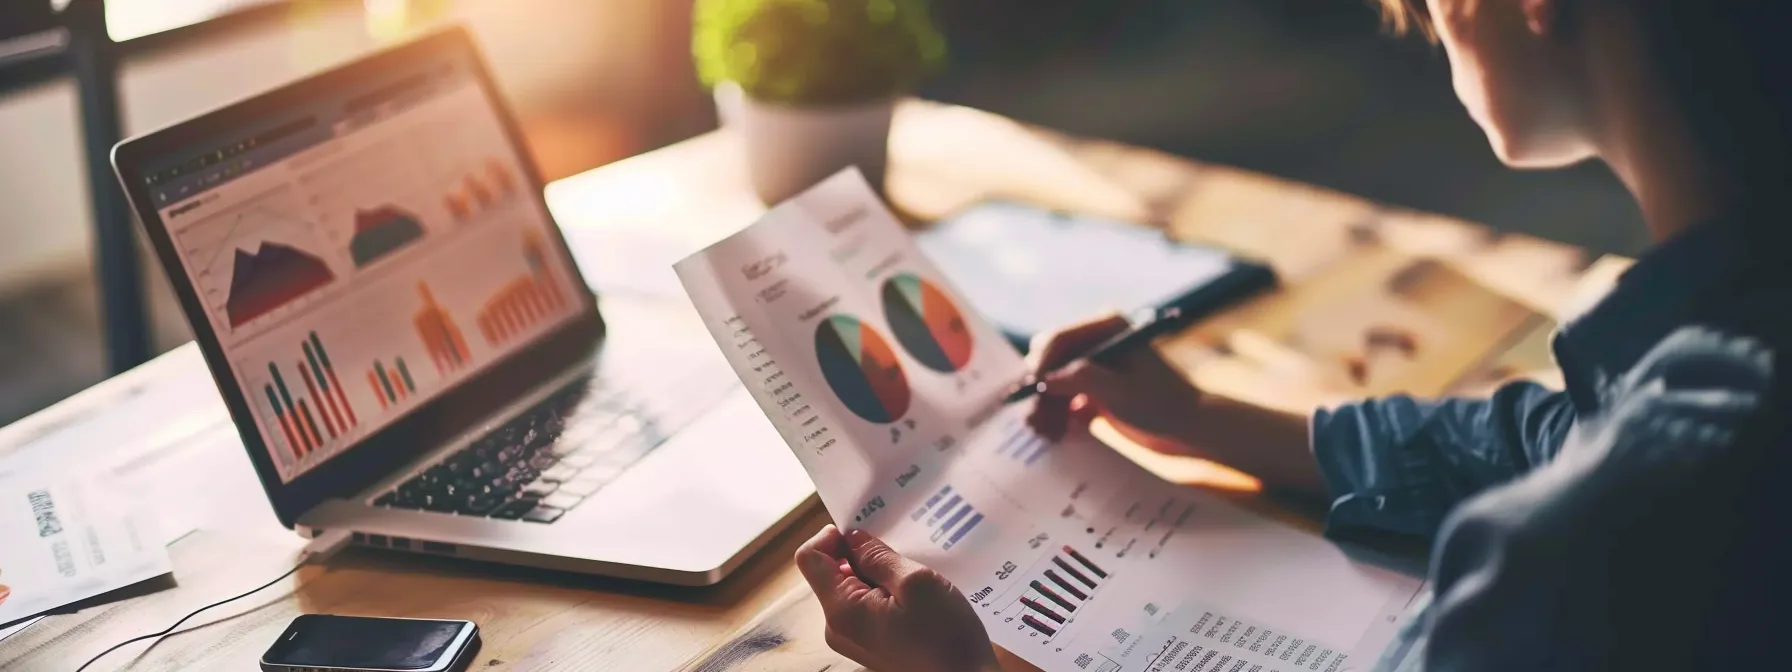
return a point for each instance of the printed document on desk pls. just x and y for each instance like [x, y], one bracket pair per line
[63, 541]
[888, 390]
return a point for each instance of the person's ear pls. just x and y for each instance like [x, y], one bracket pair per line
[1542, 16]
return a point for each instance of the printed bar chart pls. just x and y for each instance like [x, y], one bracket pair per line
[1041, 609]
[1024, 447]
[1036, 625]
[1074, 555]
[952, 518]
[1050, 601]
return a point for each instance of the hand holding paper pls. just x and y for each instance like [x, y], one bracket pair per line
[889, 390]
[888, 612]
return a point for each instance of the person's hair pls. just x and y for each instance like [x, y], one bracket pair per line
[1405, 16]
[1726, 64]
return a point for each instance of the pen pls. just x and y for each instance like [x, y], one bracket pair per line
[1144, 326]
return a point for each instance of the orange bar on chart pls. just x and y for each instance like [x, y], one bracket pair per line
[443, 341]
[322, 408]
[374, 382]
[317, 439]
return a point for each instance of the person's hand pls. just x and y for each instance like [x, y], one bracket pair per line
[890, 613]
[1143, 396]
[1151, 403]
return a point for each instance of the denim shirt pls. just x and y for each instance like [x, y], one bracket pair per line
[1597, 527]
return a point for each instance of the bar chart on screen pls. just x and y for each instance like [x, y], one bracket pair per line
[526, 301]
[478, 191]
[440, 337]
[391, 384]
[312, 410]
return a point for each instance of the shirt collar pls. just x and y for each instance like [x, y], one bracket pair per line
[1659, 294]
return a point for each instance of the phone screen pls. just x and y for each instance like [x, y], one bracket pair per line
[367, 643]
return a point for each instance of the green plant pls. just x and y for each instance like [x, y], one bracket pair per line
[816, 52]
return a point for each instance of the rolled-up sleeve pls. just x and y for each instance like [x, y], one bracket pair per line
[1398, 464]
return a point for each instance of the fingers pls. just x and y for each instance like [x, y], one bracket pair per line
[819, 561]
[881, 565]
[1073, 394]
[1050, 351]
[1051, 416]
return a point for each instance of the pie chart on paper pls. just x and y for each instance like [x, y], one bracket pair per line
[927, 323]
[862, 369]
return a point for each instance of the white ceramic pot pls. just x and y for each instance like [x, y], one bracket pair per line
[789, 149]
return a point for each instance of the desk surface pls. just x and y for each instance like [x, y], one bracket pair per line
[1476, 306]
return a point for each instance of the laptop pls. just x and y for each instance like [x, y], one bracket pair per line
[410, 353]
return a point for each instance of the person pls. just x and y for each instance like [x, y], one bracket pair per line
[1628, 521]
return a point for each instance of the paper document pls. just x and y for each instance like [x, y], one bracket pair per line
[888, 390]
[66, 541]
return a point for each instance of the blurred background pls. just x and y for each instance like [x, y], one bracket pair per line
[1311, 90]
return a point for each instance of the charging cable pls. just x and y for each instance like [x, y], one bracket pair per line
[319, 550]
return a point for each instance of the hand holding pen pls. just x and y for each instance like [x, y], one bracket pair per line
[1107, 367]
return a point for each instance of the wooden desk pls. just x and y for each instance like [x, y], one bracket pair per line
[1465, 307]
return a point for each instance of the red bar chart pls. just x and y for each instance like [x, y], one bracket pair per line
[318, 412]
[1052, 597]
[391, 384]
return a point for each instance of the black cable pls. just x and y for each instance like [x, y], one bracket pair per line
[183, 619]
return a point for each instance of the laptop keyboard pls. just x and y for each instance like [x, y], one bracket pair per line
[557, 454]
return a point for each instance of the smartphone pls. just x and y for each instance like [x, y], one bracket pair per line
[321, 642]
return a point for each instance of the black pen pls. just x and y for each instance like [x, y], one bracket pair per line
[1244, 280]
[1145, 325]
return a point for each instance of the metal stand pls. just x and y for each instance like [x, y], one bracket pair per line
[93, 58]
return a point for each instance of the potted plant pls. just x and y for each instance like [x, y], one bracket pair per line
[811, 85]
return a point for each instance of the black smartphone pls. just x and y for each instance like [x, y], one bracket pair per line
[319, 642]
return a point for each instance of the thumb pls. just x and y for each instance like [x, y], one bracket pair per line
[877, 563]
[833, 587]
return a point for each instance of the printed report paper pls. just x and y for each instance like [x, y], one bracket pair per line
[69, 540]
[888, 390]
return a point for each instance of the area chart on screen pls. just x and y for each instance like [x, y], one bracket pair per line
[270, 277]
[382, 231]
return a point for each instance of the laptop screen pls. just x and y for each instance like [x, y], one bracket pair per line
[360, 254]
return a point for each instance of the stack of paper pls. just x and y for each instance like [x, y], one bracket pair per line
[63, 541]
